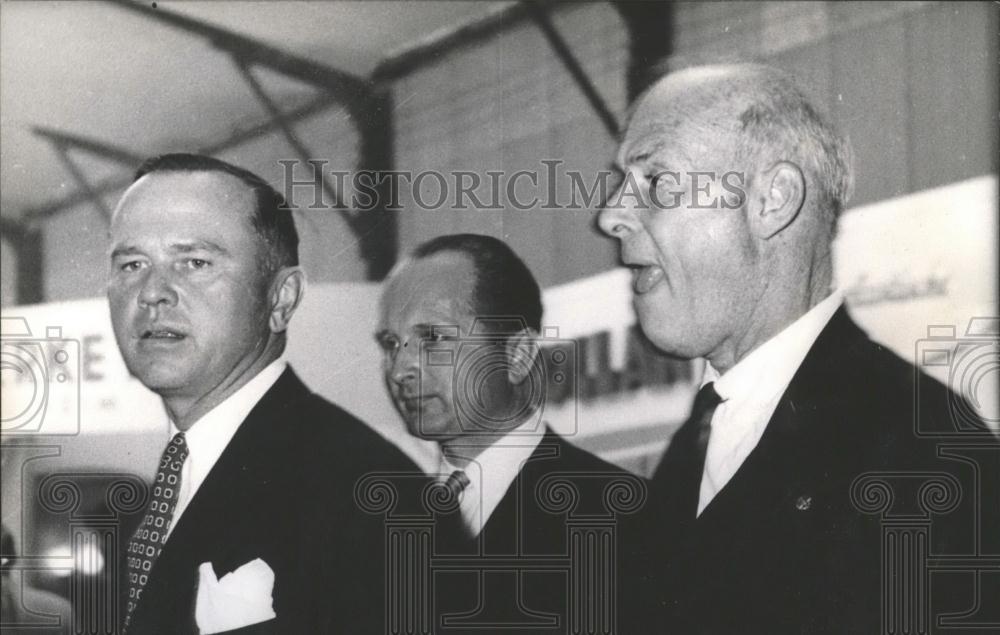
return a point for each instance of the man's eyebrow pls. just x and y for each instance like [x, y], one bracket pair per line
[198, 245]
[638, 157]
[119, 252]
[427, 327]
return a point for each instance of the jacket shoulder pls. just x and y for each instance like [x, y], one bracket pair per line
[352, 441]
[576, 457]
[322, 436]
[863, 400]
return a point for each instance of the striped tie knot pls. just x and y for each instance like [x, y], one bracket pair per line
[456, 484]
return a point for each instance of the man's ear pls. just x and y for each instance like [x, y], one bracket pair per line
[521, 352]
[776, 199]
[287, 290]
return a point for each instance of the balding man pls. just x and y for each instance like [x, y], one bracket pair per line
[734, 184]
[459, 328]
[252, 524]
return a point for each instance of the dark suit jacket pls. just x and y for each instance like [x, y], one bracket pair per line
[794, 542]
[283, 491]
[559, 485]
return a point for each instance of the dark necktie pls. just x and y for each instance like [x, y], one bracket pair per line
[149, 538]
[456, 484]
[452, 533]
[680, 471]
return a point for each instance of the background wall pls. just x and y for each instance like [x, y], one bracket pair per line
[913, 85]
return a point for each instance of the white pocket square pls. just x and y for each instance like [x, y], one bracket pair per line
[239, 599]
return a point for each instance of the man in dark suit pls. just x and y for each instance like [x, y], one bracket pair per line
[459, 329]
[784, 502]
[252, 522]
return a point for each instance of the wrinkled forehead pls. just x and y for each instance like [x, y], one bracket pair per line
[688, 114]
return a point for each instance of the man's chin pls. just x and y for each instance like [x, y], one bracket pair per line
[162, 379]
[664, 335]
[428, 427]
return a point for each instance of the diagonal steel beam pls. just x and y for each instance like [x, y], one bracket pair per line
[541, 17]
[351, 90]
[285, 127]
[63, 142]
[81, 181]
[372, 227]
[368, 106]
[108, 186]
[93, 146]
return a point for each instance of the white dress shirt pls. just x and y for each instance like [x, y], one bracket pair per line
[750, 392]
[209, 435]
[492, 472]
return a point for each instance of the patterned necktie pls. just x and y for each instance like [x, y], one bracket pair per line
[452, 531]
[456, 484]
[149, 538]
[681, 470]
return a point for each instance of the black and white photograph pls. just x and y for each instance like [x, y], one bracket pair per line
[506, 317]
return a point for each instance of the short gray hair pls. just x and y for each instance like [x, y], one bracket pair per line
[781, 123]
[772, 120]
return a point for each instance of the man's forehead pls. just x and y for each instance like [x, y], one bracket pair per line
[682, 116]
[441, 282]
[663, 142]
[655, 126]
[212, 195]
[695, 81]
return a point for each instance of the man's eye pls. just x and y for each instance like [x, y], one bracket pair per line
[389, 344]
[130, 266]
[438, 336]
[198, 263]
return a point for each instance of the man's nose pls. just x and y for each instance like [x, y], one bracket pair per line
[158, 288]
[619, 218]
[405, 365]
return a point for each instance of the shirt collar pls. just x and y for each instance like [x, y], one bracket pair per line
[769, 368]
[209, 435]
[494, 469]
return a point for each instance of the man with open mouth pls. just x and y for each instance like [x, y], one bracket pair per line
[767, 497]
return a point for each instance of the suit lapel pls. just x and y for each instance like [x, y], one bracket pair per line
[243, 476]
[504, 529]
[777, 472]
[219, 525]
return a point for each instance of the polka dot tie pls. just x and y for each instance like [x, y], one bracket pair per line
[149, 538]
